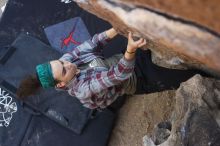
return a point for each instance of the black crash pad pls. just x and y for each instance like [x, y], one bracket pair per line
[28, 52]
[23, 126]
[32, 17]
[11, 131]
[43, 132]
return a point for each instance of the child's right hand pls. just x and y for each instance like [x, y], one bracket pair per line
[133, 45]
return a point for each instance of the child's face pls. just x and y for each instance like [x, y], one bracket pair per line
[63, 71]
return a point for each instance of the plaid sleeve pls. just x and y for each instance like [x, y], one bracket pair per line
[100, 39]
[114, 76]
[67, 57]
[103, 80]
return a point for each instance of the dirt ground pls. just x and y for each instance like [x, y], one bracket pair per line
[139, 115]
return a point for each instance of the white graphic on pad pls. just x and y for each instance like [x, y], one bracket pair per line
[66, 1]
[7, 108]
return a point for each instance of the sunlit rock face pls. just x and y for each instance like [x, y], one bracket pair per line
[189, 116]
[203, 12]
[181, 34]
[196, 116]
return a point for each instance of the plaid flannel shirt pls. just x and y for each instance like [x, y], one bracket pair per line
[97, 87]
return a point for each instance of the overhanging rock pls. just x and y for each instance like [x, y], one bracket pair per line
[176, 39]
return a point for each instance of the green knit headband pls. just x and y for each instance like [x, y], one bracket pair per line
[45, 75]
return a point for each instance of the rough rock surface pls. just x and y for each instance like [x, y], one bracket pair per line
[190, 116]
[173, 36]
[195, 120]
[201, 12]
[139, 115]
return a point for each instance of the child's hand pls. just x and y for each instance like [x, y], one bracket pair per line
[133, 45]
